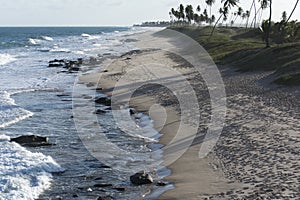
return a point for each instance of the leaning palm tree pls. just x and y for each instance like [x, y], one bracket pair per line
[228, 4]
[297, 1]
[238, 13]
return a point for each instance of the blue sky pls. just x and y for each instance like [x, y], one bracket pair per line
[103, 12]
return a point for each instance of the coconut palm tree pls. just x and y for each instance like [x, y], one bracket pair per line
[189, 13]
[238, 13]
[268, 30]
[210, 3]
[181, 12]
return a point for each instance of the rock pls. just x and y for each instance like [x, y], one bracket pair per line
[105, 198]
[101, 185]
[31, 141]
[161, 183]
[132, 111]
[55, 65]
[80, 61]
[141, 178]
[99, 89]
[99, 111]
[103, 100]
[120, 189]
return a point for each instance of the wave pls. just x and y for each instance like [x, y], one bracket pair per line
[60, 50]
[6, 58]
[10, 113]
[34, 41]
[47, 38]
[23, 174]
[90, 37]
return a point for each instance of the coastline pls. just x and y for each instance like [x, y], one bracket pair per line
[259, 116]
[199, 176]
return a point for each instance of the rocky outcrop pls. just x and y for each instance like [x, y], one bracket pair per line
[103, 100]
[71, 65]
[31, 141]
[141, 178]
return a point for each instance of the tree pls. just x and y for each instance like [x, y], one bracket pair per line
[238, 13]
[210, 3]
[284, 16]
[189, 13]
[269, 25]
[181, 12]
[297, 1]
[224, 11]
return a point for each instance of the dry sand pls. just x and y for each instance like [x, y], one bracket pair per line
[257, 155]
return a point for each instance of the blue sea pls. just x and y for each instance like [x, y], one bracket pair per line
[36, 99]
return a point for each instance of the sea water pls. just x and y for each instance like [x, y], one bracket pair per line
[36, 99]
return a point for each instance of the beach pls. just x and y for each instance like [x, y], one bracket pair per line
[256, 154]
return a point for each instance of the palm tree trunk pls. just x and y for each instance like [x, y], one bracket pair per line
[249, 14]
[269, 27]
[212, 32]
[255, 11]
[292, 11]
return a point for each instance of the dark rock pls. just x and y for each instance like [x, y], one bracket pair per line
[75, 196]
[99, 89]
[31, 141]
[141, 178]
[161, 183]
[55, 65]
[99, 111]
[103, 100]
[80, 61]
[102, 185]
[120, 189]
[104, 71]
[132, 111]
[105, 198]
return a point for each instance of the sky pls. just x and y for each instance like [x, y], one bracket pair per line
[106, 12]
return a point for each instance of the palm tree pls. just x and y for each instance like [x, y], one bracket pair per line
[248, 16]
[269, 24]
[189, 13]
[210, 3]
[238, 13]
[292, 11]
[181, 12]
[223, 13]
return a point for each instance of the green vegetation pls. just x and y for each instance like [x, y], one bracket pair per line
[272, 46]
[245, 50]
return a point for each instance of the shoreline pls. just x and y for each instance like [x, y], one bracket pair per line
[259, 113]
[187, 185]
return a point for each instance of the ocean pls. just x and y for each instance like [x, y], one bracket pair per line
[36, 99]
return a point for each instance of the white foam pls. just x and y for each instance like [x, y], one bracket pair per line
[90, 37]
[33, 41]
[47, 38]
[60, 50]
[85, 35]
[23, 174]
[10, 113]
[6, 58]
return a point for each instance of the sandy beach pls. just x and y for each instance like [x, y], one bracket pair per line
[257, 155]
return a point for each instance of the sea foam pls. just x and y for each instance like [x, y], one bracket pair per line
[23, 174]
[6, 58]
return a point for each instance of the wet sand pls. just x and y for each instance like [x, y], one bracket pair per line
[257, 155]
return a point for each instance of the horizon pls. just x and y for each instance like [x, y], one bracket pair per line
[102, 13]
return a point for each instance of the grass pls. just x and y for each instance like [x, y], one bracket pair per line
[245, 50]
